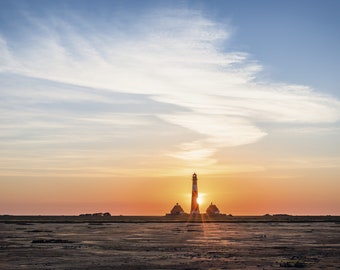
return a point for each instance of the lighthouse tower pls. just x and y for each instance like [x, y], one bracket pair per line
[194, 195]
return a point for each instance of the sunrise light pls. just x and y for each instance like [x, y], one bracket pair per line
[199, 199]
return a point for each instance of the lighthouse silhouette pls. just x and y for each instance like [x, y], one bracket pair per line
[194, 195]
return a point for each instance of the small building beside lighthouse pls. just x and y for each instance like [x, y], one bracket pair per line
[176, 210]
[212, 210]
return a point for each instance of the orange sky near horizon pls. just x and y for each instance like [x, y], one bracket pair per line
[156, 196]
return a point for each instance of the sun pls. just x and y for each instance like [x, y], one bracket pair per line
[199, 199]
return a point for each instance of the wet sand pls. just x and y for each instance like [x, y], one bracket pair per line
[168, 245]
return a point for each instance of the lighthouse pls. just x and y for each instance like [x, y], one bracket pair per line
[194, 195]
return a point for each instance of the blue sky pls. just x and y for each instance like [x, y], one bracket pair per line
[296, 41]
[119, 89]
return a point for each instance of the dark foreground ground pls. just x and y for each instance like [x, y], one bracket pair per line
[159, 243]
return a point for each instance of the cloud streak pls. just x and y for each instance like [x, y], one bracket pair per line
[173, 57]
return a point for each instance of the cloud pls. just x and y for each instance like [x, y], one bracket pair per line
[175, 57]
[5, 56]
[223, 131]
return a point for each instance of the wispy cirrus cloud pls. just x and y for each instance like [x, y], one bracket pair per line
[173, 57]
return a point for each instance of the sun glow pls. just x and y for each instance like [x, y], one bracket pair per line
[199, 199]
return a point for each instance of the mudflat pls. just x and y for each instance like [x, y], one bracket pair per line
[41, 243]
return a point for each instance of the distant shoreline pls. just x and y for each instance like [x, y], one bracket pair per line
[203, 218]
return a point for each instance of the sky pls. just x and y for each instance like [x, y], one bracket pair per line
[111, 106]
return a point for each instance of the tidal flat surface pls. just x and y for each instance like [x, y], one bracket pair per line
[169, 245]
